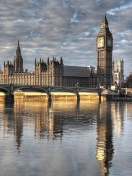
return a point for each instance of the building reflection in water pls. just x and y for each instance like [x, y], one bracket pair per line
[8, 122]
[18, 123]
[46, 120]
[48, 123]
[104, 150]
[118, 110]
[57, 119]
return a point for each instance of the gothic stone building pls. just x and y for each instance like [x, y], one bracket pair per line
[104, 46]
[55, 73]
[118, 71]
[49, 73]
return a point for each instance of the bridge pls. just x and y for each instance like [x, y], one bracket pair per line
[9, 90]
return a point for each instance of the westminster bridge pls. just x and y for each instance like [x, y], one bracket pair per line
[51, 91]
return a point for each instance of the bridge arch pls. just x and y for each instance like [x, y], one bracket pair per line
[64, 93]
[5, 90]
[39, 89]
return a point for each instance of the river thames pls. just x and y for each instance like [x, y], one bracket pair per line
[66, 139]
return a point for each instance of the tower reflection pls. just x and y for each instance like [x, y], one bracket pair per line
[47, 120]
[118, 109]
[50, 122]
[104, 148]
[18, 123]
[8, 123]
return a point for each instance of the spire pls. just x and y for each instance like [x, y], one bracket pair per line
[18, 60]
[18, 42]
[18, 50]
[104, 27]
[61, 61]
[105, 19]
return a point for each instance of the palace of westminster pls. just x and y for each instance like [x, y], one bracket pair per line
[55, 73]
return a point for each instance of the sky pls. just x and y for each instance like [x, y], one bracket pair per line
[67, 28]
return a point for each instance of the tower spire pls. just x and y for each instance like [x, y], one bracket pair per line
[18, 60]
[18, 42]
[18, 50]
[105, 19]
[104, 61]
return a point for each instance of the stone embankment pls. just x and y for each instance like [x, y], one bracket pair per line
[55, 96]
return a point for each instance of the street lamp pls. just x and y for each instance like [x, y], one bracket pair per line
[99, 93]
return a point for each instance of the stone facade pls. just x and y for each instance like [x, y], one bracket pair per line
[49, 73]
[118, 72]
[104, 46]
[54, 73]
[79, 76]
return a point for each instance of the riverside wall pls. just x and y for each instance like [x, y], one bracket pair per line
[58, 96]
[106, 95]
[55, 96]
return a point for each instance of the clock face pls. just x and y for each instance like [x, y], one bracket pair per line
[109, 43]
[100, 42]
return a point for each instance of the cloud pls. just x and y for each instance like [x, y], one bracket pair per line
[66, 28]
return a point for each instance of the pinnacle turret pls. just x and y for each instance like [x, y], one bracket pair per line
[18, 60]
[18, 42]
[105, 19]
[18, 50]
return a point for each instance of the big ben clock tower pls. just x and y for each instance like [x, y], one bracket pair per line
[104, 46]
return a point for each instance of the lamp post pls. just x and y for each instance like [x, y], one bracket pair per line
[77, 92]
[99, 94]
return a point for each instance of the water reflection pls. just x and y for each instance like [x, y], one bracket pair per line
[118, 111]
[91, 126]
[8, 123]
[46, 123]
[49, 120]
[104, 138]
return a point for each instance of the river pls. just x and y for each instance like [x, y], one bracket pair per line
[66, 139]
